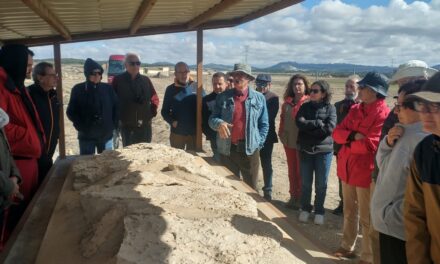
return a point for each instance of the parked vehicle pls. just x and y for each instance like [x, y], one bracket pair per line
[116, 66]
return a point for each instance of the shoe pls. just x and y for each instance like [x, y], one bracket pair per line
[268, 197]
[339, 210]
[293, 204]
[304, 216]
[319, 219]
[343, 253]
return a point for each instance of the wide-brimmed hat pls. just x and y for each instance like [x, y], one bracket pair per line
[242, 68]
[430, 90]
[376, 81]
[412, 68]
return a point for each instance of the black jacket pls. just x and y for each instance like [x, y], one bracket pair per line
[273, 105]
[342, 108]
[316, 122]
[48, 108]
[208, 104]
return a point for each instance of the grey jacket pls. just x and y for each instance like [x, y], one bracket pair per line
[388, 196]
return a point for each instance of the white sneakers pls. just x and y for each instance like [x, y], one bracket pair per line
[304, 218]
[319, 219]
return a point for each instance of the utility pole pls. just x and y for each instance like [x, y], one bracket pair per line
[246, 52]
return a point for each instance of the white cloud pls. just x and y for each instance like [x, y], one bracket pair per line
[332, 31]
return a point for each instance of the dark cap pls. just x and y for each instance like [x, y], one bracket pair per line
[262, 80]
[430, 90]
[376, 81]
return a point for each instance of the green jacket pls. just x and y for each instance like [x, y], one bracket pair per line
[7, 169]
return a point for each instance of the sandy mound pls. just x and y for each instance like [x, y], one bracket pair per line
[150, 203]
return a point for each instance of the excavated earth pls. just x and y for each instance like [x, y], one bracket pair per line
[150, 203]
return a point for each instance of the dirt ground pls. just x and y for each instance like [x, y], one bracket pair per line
[327, 236]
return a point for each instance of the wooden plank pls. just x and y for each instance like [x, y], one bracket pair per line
[199, 89]
[47, 15]
[269, 9]
[208, 14]
[62, 138]
[26, 239]
[143, 11]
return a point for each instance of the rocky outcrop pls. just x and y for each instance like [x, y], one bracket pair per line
[150, 203]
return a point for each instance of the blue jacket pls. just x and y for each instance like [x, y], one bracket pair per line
[257, 121]
[180, 104]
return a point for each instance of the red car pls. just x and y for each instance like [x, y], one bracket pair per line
[116, 66]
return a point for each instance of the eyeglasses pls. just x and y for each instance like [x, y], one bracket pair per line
[315, 91]
[134, 63]
[409, 105]
[95, 73]
[426, 107]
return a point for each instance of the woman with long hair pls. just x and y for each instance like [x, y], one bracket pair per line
[295, 95]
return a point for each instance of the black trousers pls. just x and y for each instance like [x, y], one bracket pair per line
[392, 250]
[136, 135]
[240, 163]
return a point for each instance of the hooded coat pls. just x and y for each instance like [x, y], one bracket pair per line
[24, 131]
[93, 108]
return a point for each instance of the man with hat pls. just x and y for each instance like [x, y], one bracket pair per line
[359, 135]
[421, 209]
[263, 85]
[241, 121]
[407, 72]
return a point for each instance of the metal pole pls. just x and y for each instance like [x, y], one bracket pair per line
[199, 89]
[62, 139]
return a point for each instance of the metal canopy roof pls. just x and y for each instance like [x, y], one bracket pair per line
[42, 22]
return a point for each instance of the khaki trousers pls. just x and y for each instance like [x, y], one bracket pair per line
[374, 236]
[356, 211]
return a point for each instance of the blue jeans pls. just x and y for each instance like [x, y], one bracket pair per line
[320, 164]
[87, 146]
[266, 165]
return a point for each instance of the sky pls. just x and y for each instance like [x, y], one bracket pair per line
[366, 32]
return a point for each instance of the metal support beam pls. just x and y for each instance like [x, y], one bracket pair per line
[199, 89]
[142, 12]
[47, 15]
[57, 60]
[202, 18]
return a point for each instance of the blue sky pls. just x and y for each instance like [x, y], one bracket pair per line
[369, 32]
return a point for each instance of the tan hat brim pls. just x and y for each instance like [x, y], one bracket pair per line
[426, 95]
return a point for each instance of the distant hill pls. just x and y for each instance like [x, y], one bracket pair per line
[282, 67]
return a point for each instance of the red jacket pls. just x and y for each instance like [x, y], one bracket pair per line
[21, 132]
[356, 158]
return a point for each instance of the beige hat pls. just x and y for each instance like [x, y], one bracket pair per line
[243, 68]
[412, 68]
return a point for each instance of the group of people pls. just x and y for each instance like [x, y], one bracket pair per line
[29, 123]
[387, 160]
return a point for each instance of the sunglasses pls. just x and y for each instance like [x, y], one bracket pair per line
[315, 91]
[426, 107]
[95, 73]
[134, 63]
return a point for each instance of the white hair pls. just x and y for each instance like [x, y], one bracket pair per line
[131, 55]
